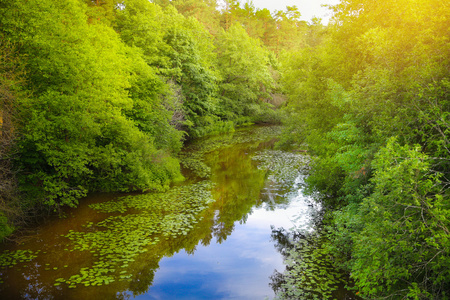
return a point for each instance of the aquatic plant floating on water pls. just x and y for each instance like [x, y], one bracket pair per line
[284, 167]
[144, 219]
[193, 157]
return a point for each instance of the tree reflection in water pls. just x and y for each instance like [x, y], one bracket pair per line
[308, 274]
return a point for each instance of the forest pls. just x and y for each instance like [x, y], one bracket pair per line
[101, 95]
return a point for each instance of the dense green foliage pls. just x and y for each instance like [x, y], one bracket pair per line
[100, 95]
[75, 134]
[245, 73]
[371, 103]
[109, 90]
[10, 71]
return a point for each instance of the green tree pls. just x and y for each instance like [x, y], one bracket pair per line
[380, 70]
[10, 82]
[101, 10]
[269, 26]
[290, 30]
[403, 249]
[140, 25]
[246, 80]
[76, 136]
[205, 11]
[192, 62]
[181, 50]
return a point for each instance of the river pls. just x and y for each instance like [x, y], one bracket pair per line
[210, 237]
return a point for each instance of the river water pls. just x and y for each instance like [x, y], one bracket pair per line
[209, 237]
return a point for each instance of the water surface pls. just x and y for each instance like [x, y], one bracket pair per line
[216, 245]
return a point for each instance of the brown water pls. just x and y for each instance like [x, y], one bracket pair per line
[216, 245]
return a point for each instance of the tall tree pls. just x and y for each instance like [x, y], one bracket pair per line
[244, 65]
[205, 11]
[10, 83]
[76, 136]
[290, 30]
[371, 101]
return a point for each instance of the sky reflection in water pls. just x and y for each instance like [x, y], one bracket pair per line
[240, 267]
[234, 257]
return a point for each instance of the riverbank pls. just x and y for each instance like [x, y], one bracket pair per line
[116, 243]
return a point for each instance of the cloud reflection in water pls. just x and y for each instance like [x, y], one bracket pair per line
[240, 267]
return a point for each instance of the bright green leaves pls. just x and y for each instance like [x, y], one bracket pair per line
[191, 56]
[112, 86]
[432, 104]
[182, 51]
[308, 274]
[9, 259]
[205, 11]
[82, 130]
[380, 72]
[246, 80]
[278, 30]
[196, 79]
[405, 235]
[139, 25]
